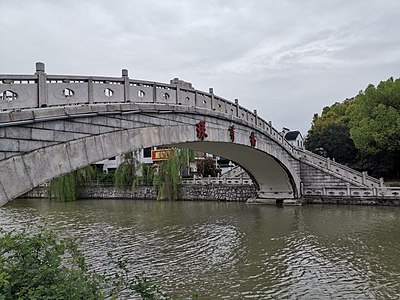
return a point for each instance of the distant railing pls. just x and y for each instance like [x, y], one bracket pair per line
[21, 92]
[234, 172]
[194, 180]
[376, 192]
[217, 180]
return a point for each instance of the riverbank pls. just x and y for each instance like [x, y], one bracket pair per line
[221, 192]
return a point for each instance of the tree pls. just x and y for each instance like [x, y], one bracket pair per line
[168, 177]
[42, 266]
[126, 173]
[363, 131]
[147, 175]
[375, 127]
[67, 187]
[206, 167]
[45, 266]
[334, 140]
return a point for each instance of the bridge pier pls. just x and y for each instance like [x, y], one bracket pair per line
[276, 198]
[284, 202]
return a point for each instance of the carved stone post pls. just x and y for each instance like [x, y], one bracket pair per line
[126, 85]
[42, 84]
[237, 107]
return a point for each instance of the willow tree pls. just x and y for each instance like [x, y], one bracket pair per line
[168, 177]
[126, 173]
[147, 174]
[67, 187]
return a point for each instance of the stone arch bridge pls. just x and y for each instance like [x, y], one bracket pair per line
[51, 125]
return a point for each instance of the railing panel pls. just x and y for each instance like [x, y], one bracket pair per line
[262, 124]
[67, 93]
[242, 113]
[106, 92]
[15, 96]
[251, 117]
[230, 108]
[219, 105]
[165, 95]
[187, 98]
[142, 93]
[203, 100]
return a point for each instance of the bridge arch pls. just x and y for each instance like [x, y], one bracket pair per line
[274, 175]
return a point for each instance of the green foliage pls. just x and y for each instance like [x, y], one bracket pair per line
[125, 175]
[168, 177]
[372, 119]
[207, 167]
[105, 177]
[375, 118]
[66, 188]
[147, 289]
[333, 141]
[331, 115]
[147, 175]
[41, 266]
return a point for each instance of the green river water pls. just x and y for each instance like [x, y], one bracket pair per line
[228, 250]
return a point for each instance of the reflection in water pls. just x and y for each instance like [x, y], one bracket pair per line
[234, 250]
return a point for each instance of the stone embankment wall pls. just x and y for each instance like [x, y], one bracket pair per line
[186, 192]
[351, 200]
[239, 193]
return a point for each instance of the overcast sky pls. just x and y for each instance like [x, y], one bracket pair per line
[287, 59]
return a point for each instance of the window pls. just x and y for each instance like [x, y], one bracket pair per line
[147, 152]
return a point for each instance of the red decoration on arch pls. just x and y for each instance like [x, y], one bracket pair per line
[253, 139]
[201, 130]
[232, 133]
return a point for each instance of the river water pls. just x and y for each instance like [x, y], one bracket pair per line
[233, 250]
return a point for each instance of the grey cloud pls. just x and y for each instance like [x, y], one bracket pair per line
[287, 59]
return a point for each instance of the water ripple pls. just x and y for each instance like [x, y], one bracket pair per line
[234, 251]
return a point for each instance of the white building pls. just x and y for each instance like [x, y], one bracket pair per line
[293, 137]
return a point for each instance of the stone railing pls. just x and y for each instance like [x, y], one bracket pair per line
[375, 192]
[21, 92]
[217, 180]
[234, 172]
[339, 169]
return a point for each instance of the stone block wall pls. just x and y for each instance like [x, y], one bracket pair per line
[351, 200]
[312, 177]
[186, 192]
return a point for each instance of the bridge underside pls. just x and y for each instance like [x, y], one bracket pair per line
[270, 176]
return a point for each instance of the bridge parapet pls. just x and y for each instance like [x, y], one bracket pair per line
[27, 92]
